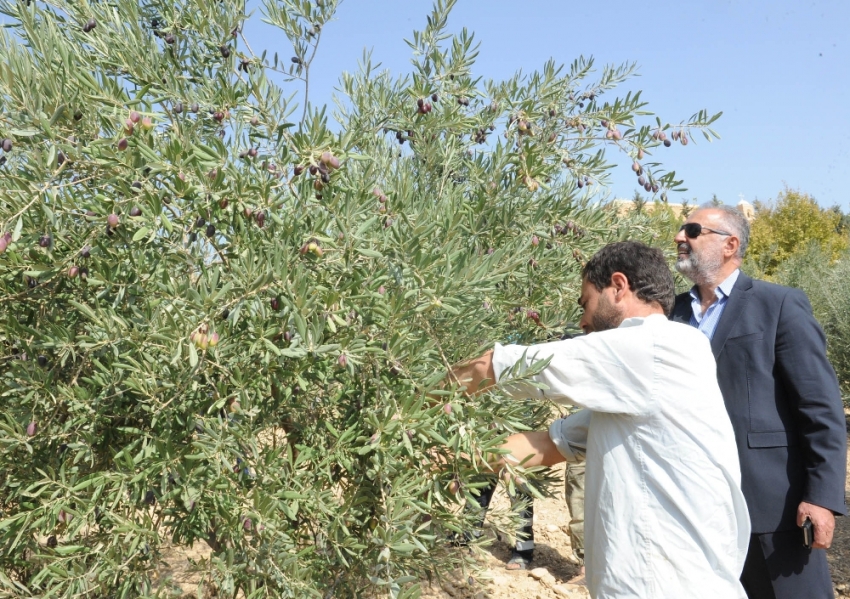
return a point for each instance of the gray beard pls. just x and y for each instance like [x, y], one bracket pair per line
[700, 270]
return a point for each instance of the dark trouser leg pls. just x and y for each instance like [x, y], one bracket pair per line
[755, 578]
[525, 536]
[483, 500]
[778, 566]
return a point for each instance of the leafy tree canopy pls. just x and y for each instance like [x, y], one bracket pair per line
[224, 322]
[790, 225]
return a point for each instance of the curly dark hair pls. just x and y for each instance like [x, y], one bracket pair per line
[645, 268]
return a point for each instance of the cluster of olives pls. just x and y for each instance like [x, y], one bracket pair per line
[321, 170]
[202, 338]
[313, 248]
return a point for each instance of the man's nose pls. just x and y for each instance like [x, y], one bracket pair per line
[680, 237]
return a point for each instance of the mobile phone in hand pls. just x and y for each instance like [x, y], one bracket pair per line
[808, 533]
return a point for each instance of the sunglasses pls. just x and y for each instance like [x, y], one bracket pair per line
[694, 230]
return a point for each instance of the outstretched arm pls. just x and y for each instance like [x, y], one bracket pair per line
[476, 375]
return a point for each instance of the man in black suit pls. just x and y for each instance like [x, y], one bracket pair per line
[782, 397]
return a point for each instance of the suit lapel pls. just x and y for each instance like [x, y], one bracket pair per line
[735, 305]
[682, 311]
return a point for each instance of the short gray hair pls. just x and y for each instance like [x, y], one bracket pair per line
[735, 221]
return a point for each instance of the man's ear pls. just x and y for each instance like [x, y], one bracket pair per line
[620, 283]
[730, 248]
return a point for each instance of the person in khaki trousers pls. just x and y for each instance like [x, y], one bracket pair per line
[574, 452]
[574, 492]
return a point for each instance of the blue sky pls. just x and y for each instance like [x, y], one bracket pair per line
[778, 69]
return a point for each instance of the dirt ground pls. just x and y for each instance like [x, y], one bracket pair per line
[552, 567]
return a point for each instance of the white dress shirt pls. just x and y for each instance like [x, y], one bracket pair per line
[664, 512]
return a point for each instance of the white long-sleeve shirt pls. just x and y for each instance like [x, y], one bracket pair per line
[664, 512]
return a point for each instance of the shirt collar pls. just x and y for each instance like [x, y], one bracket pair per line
[723, 290]
[636, 321]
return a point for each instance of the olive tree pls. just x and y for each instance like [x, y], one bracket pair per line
[226, 320]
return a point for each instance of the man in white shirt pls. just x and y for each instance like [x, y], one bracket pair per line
[664, 512]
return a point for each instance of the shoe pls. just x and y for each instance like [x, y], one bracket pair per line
[463, 539]
[579, 579]
[520, 560]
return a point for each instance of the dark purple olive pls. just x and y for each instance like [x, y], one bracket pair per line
[287, 336]
[641, 181]
[85, 252]
[112, 220]
[252, 152]
[51, 542]
[84, 273]
[193, 236]
[275, 304]
[7, 145]
[178, 108]
[435, 98]
[210, 230]
[261, 219]
[135, 211]
[169, 39]
[296, 60]
[200, 222]
[122, 144]
[194, 108]
[225, 51]
[45, 241]
[42, 361]
[78, 115]
[150, 497]
[667, 143]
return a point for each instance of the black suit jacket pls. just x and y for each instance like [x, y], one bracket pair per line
[783, 399]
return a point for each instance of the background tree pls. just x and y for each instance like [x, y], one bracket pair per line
[824, 280]
[221, 325]
[790, 225]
